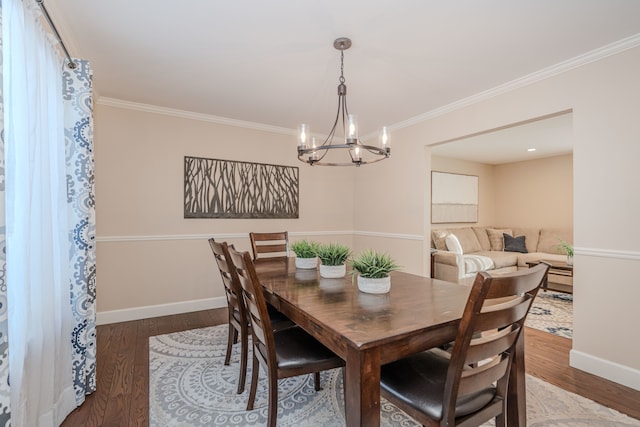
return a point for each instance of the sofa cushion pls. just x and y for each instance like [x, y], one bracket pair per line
[550, 239]
[474, 263]
[483, 238]
[467, 239]
[453, 244]
[496, 239]
[438, 237]
[501, 259]
[532, 235]
[514, 244]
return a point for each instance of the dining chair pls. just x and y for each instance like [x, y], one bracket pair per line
[270, 245]
[468, 385]
[283, 353]
[239, 325]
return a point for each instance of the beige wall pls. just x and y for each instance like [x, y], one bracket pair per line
[535, 193]
[604, 97]
[153, 261]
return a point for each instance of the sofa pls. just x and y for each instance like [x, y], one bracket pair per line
[460, 253]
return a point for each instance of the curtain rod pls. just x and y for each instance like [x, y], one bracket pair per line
[70, 62]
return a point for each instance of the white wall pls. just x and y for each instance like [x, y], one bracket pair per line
[604, 97]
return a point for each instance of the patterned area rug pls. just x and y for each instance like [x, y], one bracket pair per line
[552, 312]
[190, 386]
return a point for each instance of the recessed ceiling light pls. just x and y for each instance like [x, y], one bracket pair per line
[531, 149]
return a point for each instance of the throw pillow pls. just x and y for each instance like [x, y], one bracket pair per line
[438, 237]
[453, 244]
[496, 239]
[514, 244]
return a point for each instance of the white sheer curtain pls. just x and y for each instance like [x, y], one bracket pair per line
[39, 312]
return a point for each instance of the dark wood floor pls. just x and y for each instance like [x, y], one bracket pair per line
[122, 396]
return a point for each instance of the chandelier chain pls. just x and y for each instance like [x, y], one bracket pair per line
[342, 66]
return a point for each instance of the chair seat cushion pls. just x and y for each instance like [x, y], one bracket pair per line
[295, 348]
[419, 381]
[278, 320]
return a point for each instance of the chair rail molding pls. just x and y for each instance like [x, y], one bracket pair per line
[158, 237]
[608, 253]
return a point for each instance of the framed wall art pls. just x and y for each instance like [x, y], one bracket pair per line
[454, 198]
[215, 188]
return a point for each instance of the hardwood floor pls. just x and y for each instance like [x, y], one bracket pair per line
[122, 395]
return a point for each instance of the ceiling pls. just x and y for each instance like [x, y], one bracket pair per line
[550, 136]
[273, 62]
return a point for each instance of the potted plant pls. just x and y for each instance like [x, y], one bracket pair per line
[305, 251]
[373, 270]
[567, 248]
[332, 260]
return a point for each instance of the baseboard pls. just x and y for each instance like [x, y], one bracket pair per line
[606, 369]
[137, 313]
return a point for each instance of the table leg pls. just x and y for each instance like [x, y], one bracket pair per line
[517, 393]
[362, 387]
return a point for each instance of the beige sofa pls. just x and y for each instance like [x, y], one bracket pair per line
[477, 249]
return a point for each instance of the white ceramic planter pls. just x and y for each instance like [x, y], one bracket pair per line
[333, 271]
[569, 260]
[306, 263]
[374, 286]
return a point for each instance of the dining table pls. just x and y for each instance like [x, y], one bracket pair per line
[368, 330]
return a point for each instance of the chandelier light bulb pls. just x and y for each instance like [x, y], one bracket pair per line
[384, 139]
[303, 135]
[352, 129]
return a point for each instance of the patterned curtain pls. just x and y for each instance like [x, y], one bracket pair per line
[78, 124]
[5, 396]
[78, 132]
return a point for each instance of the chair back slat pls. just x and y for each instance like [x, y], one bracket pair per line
[476, 379]
[269, 245]
[491, 324]
[492, 344]
[522, 283]
[229, 276]
[261, 328]
[500, 318]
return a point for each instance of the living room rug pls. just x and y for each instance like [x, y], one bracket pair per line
[190, 386]
[552, 312]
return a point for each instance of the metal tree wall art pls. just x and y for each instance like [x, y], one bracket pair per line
[216, 188]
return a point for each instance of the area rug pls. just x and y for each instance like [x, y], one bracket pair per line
[552, 312]
[190, 386]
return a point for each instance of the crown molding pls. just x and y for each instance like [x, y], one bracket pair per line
[148, 108]
[570, 64]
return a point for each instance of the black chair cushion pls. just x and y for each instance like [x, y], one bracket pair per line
[295, 347]
[419, 381]
[278, 320]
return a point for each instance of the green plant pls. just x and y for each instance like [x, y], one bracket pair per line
[373, 265]
[333, 254]
[565, 247]
[305, 248]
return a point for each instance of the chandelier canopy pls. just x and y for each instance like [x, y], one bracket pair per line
[354, 152]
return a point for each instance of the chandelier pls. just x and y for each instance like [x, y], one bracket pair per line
[358, 153]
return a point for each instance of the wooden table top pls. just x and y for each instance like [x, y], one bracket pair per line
[415, 303]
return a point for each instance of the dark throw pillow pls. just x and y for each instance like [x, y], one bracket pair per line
[514, 244]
